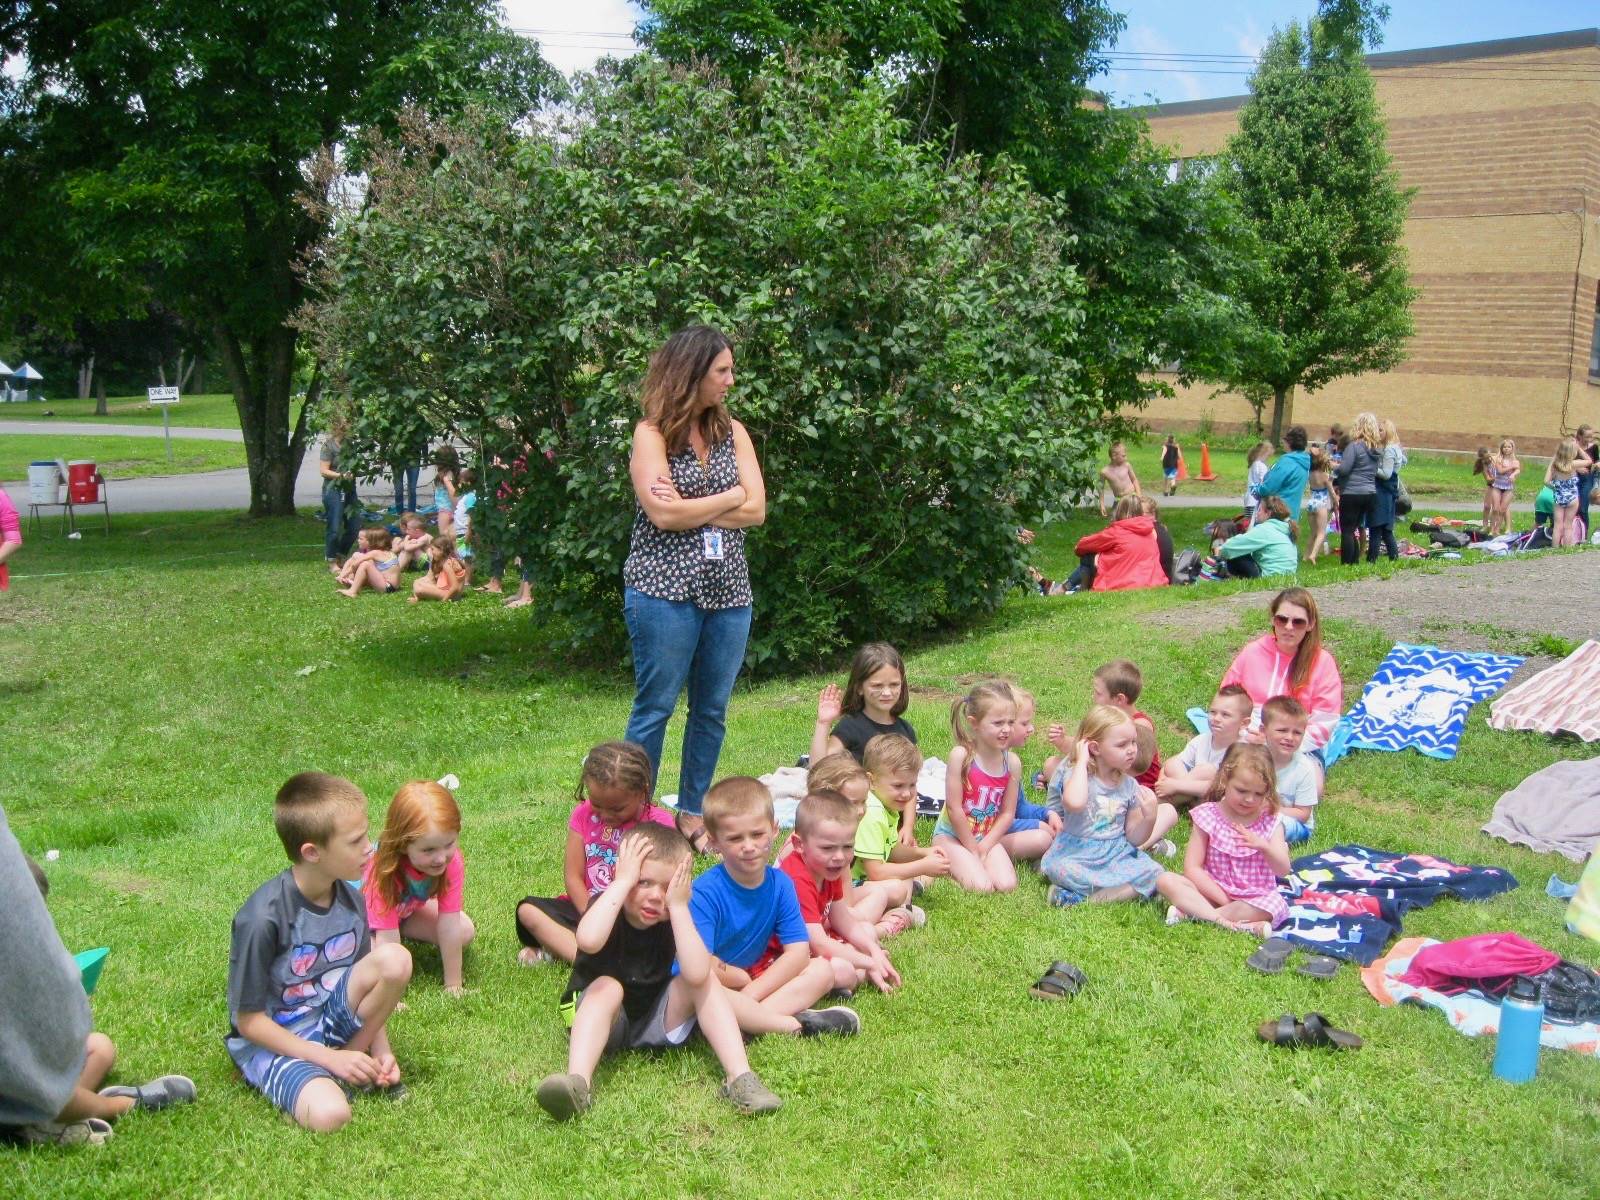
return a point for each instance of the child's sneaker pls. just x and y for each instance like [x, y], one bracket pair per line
[91, 1131]
[1059, 897]
[563, 1096]
[918, 916]
[532, 956]
[1165, 848]
[1175, 915]
[157, 1094]
[750, 1096]
[897, 920]
[814, 1022]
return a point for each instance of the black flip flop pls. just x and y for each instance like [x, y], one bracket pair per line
[1285, 1031]
[1319, 966]
[1062, 981]
[1271, 956]
[1319, 1031]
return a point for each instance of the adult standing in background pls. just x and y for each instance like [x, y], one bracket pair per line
[686, 586]
[1357, 479]
[1386, 493]
[10, 536]
[1287, 477]
[1589, 445]
[340, 508]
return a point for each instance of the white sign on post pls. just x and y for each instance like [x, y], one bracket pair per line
[166, 397]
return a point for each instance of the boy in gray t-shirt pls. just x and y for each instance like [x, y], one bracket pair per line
[308, 994]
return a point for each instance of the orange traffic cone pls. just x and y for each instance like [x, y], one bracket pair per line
[1206, 475]
[1183, 467]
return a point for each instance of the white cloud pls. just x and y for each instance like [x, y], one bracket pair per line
[573, 34]
[1252, 39]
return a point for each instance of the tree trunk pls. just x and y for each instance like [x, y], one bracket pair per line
[199, 387]
[86, 378]
[262, 374]
[185, 372]
[1282, 412]
[100, 409]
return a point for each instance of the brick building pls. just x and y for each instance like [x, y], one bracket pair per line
[1502, 142]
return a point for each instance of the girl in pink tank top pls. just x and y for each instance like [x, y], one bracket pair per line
[981, 784]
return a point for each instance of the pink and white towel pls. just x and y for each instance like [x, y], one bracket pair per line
[1564, 698]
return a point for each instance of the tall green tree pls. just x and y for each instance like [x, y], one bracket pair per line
[904, 338]
[161, 149]
[1012, 77]
[1328, 293]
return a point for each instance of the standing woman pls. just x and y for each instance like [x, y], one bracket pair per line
[1357, 480]
[339, 506]
[10, 536]
[1590, 446]
[1380, 524]
[686, 586]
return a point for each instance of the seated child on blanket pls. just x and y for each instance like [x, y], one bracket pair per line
[1188, 777]
[1283, 725]
[842, 936]
[1236, 850]
[613, 797]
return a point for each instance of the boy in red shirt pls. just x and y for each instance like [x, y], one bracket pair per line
[824, 844]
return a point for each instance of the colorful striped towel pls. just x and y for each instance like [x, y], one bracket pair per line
[1418, 699]
[1564, 698]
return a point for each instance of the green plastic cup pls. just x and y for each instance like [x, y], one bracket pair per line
[89, 963]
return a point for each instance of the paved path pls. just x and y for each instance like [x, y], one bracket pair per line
[208, 491]
[51, 428]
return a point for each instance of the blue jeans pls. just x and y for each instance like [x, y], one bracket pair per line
[1585, 491]
[676, 643]
[343, 514]
[406, 476]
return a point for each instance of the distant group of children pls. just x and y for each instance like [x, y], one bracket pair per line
[1568, 481]
[752, 946]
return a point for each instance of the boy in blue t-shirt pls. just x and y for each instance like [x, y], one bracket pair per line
[748, 915]
[308, 993]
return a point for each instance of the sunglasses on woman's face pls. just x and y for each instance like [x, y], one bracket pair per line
[1284, 621]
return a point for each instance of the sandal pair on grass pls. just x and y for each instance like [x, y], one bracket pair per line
[1060, 982]
[1314, 1031]
[1272, 956]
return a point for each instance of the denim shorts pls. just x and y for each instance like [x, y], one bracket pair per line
[280, 1077]
[1296, 831]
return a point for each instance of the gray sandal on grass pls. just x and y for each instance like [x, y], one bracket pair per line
[1271, 956]
[1319, 966]
[157, 1094]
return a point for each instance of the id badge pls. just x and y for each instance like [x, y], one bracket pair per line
[711, 540]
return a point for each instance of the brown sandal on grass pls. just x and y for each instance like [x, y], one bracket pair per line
[699, 840]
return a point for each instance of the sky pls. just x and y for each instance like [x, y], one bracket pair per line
[573, 33]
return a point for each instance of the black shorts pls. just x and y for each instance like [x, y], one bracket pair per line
[558, 908]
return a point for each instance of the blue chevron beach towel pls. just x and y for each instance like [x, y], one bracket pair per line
[1418, 699]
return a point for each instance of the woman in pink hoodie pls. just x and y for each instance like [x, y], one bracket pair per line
[1290, 661]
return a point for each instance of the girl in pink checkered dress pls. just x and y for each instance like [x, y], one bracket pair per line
[1236, 851]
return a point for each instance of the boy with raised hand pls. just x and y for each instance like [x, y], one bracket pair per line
[1283, 728]
[623, 994]
[1188, 777]
[749, 918]
[308, 993]
[844, 938]
[887, 862]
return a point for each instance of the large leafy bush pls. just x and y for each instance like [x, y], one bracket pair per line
[904, 335]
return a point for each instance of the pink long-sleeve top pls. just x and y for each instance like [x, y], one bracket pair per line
[10, 531]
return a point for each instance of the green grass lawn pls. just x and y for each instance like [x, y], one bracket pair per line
[211, 411]
[156, 699]
[1427, 476]
[118, 457]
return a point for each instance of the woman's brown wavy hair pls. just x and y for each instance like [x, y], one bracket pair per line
[670, 384]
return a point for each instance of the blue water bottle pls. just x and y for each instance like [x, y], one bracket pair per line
[1516, 1053]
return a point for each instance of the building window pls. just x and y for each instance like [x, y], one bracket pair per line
[1594, 343]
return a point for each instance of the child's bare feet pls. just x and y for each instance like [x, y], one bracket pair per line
[532, 956]
[351, 592]
[493, 588]
[413, 600]
[519, 602]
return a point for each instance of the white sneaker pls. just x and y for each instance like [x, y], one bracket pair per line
[1165, 848]
[1175, 915]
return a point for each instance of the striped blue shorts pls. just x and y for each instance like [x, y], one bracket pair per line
[280, 1077]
